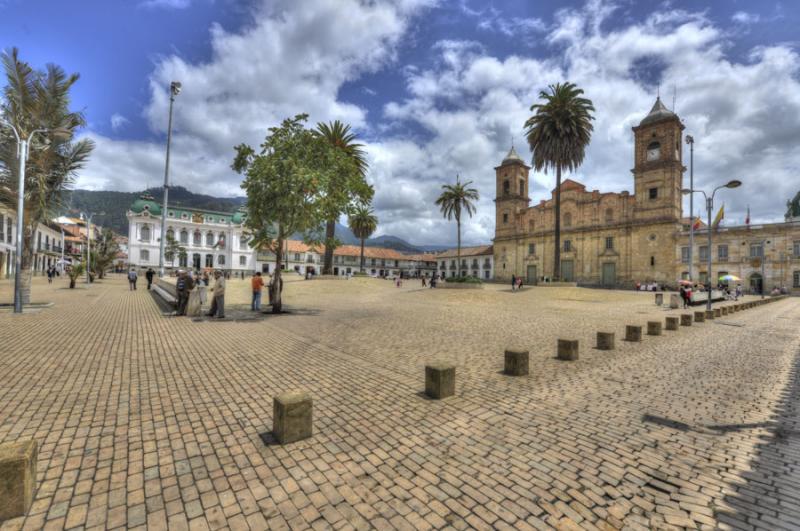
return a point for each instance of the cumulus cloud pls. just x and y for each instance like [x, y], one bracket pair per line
[461, 113]
[742, 17]
[118, 121]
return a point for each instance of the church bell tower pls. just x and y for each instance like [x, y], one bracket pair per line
[511, 196]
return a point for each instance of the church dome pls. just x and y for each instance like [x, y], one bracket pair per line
[657, 113]
[512, 157]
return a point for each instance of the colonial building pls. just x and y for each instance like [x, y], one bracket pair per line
[48, 244]
[475, 261]
[618, 239]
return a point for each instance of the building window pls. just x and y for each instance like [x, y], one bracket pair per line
[722, 253]
[756, 250]
[144, 255]
[796, 279]
[609, 243]
[144, 233]
[703, 253]
[221, 259]
[185, 237]
[567, 219]
[703, 277]
[221, 240]
[685, 255]
[531, 249]
[242, 261]
[653, 193]
[652, 261]
[170, 234]
[296, 257]
[505, 218]
[795, 251]
[567, 246]
[506, 187]
[243, 239]
[486, 274]
[9, 231]
[609, 215]
[210, 239]
[197, 238]
[522, 188]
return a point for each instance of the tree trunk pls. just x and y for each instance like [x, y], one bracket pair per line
[275, 289]
[557, 253]
[362, 255]
[458, 247]
[71, 283]
[330, 233]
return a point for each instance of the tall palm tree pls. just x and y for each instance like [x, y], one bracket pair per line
[454, 199]
[38, 100]
[340, 136]
[558, 134]
[363, 223]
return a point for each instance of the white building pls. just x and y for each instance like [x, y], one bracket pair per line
[48, 244]
[475, 261]
[211, 239]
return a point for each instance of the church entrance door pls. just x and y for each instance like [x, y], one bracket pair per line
[567, 271]
[532, 276]
[756, 283]
[609, 274]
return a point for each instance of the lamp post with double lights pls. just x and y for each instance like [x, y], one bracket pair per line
[709, 208]
[174, 90]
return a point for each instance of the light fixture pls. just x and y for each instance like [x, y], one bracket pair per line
[733, 184]
[175, 87]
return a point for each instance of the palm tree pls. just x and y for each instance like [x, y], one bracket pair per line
[454, 199]
[339, 135]
[363, 223]
[38, 100]
[558, 134]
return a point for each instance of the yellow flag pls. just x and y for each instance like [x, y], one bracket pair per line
[720, 215]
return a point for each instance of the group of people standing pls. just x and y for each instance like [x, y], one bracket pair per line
[516, 283]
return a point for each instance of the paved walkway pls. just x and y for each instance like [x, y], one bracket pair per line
[147, 420]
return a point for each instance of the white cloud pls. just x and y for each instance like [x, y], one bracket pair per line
[491, 19]
[465, 108]
[165, 4]
[742, 17]
[118, 121]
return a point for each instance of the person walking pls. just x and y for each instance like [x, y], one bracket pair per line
[50, 275]
[513, 282]
[257, 283]
[184, 286]
[424, 284]
[149, 276]
[132, 277]
[218, 302]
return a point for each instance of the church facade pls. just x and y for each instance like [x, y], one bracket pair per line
[619, 239]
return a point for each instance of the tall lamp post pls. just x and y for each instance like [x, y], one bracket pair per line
[22, 155]
[174, 90]
[690, 141]
[88, 218]
[709, 209]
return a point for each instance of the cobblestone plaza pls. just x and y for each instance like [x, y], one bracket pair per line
[149, 420]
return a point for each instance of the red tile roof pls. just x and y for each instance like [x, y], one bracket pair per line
[467, 251]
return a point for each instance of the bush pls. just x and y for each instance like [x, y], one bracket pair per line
[466, 280]
[360, 274]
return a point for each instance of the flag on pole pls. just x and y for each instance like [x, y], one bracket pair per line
[697, 223]
[718, 219]
[747, 219]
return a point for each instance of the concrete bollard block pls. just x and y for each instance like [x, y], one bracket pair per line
[292, 416]
[686, 319]
[659, 299]
[440, 380]
[516, 362]
[717, 312]
[568, 349]
[699, 317]
[17, 477]
[672, 323]
[709, 314]
[674, 301]
[605, 340]
[633, 333]
[653, 328]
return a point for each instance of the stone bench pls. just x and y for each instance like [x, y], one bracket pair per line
[653, 328]
[710, 314]
[567, 349]
[686, 319]
[292, 416]
[633, 333]
[516, 362]
[440, 380]
[699, 317]
[17, 477]
[671, 323]
[605, 340]
[166, 290]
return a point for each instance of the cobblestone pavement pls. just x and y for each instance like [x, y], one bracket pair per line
[145, 420]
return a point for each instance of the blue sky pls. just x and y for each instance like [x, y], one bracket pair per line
[434, 88]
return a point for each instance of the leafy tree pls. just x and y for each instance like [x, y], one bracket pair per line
[558, 134]
[104, 251]
[287, 186]
[362, 223]
[75, 272]
[38, 100]
[345, 190]
[454, 199]
[172, 249]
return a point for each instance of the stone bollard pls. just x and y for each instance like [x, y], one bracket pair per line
[672, 323]
[440, 380]
[686, 319]
[633, 333]
[709, 314]
[605, 340]
[674, 301]
[659, 299]
[724, 310]
[568, 349]
[717, 312]
[699, 317]
[17, 477]
[292, 416]
[653, 328]
[516, 362]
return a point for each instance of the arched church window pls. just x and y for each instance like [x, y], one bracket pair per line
[653, 151]
[506, 187]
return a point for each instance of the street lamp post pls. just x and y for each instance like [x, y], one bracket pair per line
[174, 90]
[709, 209]
[88, 218]
[690, 141]
[22, 154]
